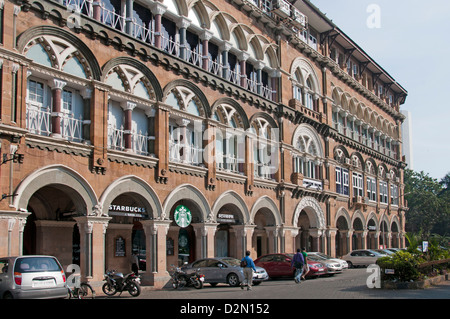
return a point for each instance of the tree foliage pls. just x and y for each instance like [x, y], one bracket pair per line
[429, 204]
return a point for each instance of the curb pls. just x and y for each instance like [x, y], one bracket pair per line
[416, 284]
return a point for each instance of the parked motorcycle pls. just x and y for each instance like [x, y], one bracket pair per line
[182, 279]
[118, 282]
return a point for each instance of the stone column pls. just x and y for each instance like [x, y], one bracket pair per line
[225, 48]
[156, 235]
[259, 66]
[92, 246]
[158, 9]
[316, 242]
[57, 87]
[272, 234]
[205, 36]
[97, 10]
[183, 23]
[86, 94]
[182, 124]
[204, 238]
[129, 17]
[127, 133]
[243, 57]
[331, 241]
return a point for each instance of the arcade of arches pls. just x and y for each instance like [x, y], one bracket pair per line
[66, 219]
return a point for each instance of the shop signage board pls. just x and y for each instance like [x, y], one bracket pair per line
[182, 216]
[226, 218]
[127, 211]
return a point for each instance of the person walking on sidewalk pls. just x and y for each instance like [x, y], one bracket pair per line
[305, 264]
[249, 266]
[297, 263]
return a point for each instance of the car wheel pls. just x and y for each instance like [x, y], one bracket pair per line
[233, 280]
[350, 265]
[8, 295]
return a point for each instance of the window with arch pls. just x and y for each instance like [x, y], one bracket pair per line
[230, 139]
[63, 57]
[185, 126]
[140, 125]
[264, 148]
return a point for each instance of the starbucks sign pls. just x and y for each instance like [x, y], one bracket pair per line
[182, 216]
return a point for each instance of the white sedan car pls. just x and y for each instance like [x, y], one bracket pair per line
[362, 257]
[343, 263]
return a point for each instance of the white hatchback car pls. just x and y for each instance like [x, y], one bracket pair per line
[30, 277]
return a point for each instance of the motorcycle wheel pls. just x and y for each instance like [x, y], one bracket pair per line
[135, 289]
[174, 284]
[108, 289]
[198, 284]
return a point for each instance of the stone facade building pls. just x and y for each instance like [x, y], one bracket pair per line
[180, 129]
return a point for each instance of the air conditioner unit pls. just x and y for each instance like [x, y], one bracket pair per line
[348, 161]
[282, 8]
[298, 18]
[397, 179]
[358, 199]
[366, 200]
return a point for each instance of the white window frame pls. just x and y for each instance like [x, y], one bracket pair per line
[33, 102]
[372, 189]
[358, 187]
[342, 180]
[383, 192]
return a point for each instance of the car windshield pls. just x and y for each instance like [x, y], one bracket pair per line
[36, 264]
[232, 261]
[321, 255]
[317, 256]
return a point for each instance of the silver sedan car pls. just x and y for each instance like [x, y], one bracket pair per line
[224, 270]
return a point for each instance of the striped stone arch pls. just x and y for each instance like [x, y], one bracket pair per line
[315, 213]
[90, 60]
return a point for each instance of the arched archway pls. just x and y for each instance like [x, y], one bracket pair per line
[55, 196]
[129, 201]
[342, 239]
[266, 216]
[189, 241]
[230, 212]
[310, 218]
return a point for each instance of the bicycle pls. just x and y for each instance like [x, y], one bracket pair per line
[84, 291]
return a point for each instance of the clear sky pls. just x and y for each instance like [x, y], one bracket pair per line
[412, 43]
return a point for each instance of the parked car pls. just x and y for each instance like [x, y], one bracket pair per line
[333, 267]
[362, 257]
[224, 270]
[342, 262]
[32, 277]
[384, 251]
[279, 265]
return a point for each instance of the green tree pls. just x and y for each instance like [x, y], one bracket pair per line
[427, 202]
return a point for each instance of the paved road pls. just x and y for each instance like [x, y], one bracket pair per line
[351, 284]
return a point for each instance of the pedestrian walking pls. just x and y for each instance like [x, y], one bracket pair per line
[249, 267]
[135, 264]
[297, 263]
[305, 264]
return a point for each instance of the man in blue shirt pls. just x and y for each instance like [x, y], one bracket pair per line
[249, 267]
[297, 263]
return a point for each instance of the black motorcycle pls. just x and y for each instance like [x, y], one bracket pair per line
[118, 282]
[181, 278]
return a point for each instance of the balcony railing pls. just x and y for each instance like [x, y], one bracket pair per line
[187, 154]
[227, 162]
[144, 33]
[39, 121]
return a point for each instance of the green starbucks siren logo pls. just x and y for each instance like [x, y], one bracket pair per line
[183, 216]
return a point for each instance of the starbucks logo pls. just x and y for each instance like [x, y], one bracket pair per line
[183, 216]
